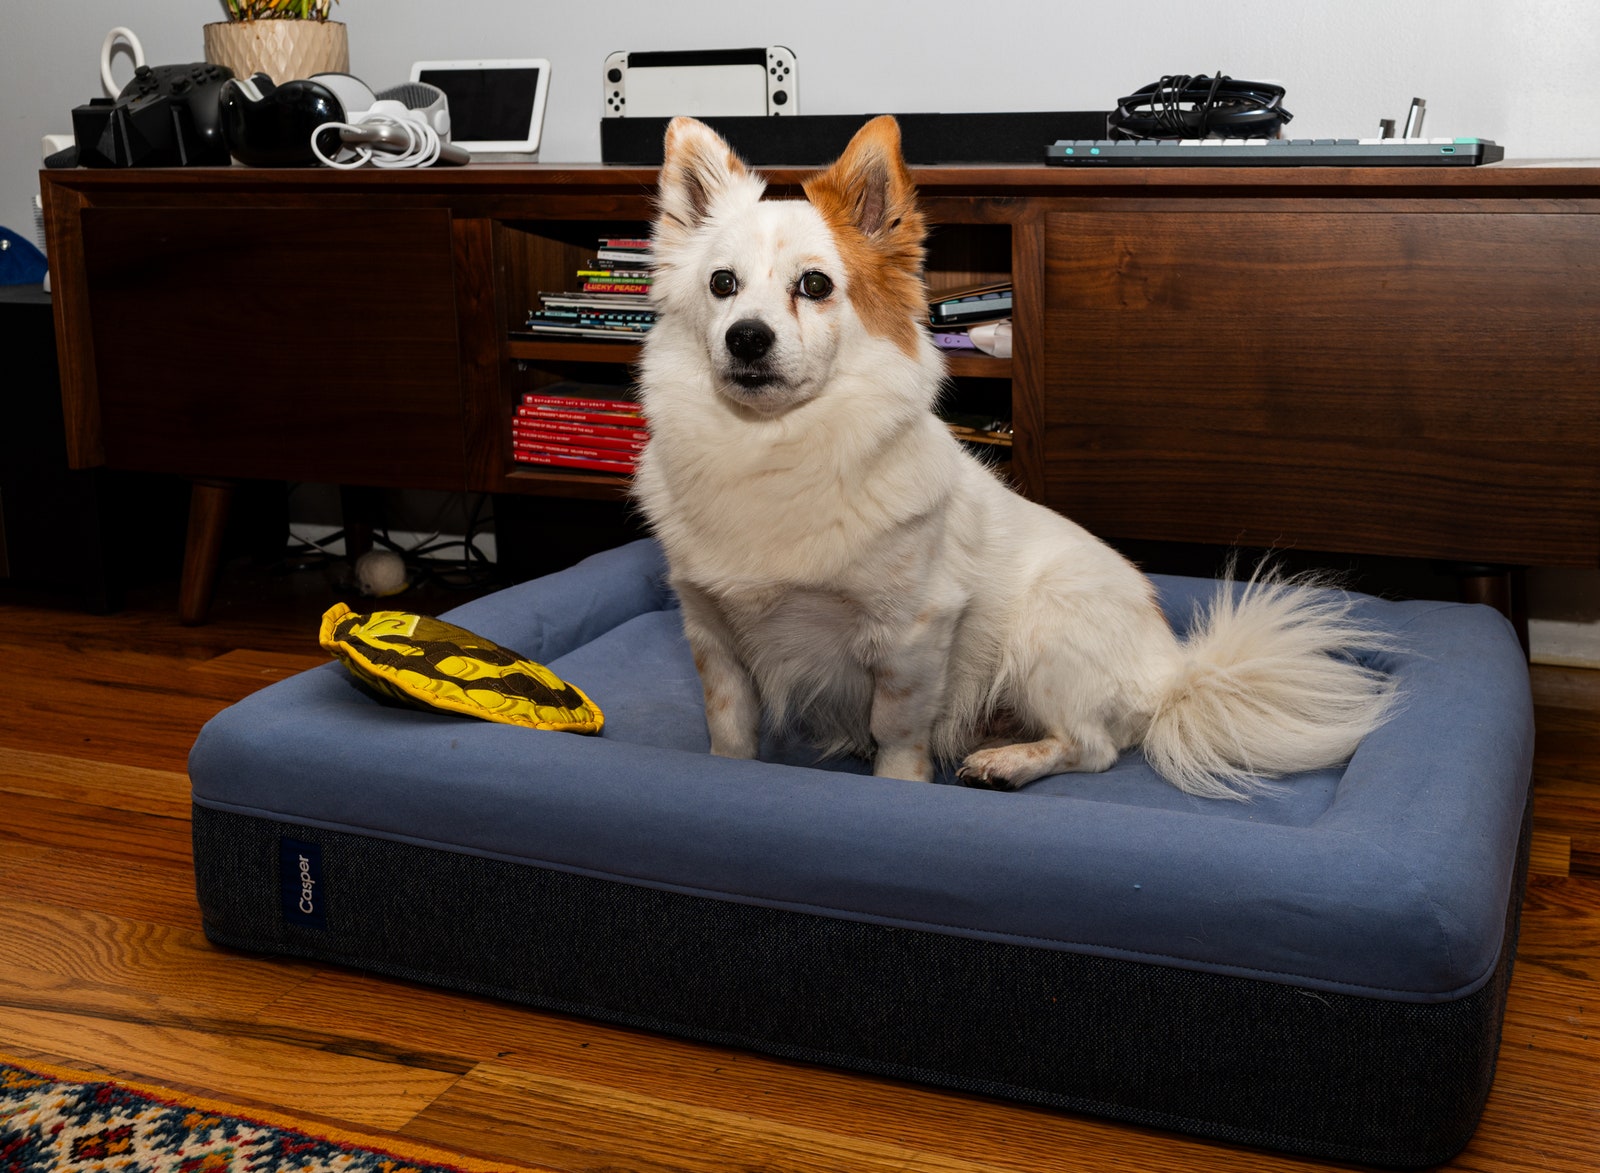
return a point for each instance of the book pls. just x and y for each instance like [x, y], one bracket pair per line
[566, 395]
[572, 451]
[583, 432]
[550, 438]
[615, 331]
[555, 459]
[582, 403]
[572, 299]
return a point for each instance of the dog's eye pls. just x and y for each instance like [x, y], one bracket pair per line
[815, 285]
[724, 283]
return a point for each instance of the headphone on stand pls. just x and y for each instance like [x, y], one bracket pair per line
[1184, 106]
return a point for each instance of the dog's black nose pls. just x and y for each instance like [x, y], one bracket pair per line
[749, 340]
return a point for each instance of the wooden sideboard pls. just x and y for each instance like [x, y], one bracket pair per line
[1398, 361]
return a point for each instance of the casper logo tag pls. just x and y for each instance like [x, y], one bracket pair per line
[300, 878]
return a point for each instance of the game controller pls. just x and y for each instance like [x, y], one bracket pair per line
[701, 82]
[166, 116]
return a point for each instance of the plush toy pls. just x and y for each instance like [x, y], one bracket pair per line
[429, 663]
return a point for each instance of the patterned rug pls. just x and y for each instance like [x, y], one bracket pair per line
[57, 1121]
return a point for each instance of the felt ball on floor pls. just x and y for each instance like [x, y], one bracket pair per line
[380, 573]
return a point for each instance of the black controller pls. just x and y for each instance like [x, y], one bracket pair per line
[166, 116]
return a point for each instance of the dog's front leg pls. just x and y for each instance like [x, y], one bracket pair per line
[908, 696]
[733, 708]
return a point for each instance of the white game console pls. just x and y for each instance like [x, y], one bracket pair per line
[714, 83]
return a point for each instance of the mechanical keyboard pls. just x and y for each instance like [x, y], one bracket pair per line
[1275, 152]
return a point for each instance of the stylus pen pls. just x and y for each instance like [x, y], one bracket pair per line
[1414, 119]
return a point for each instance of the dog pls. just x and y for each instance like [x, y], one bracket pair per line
[848, 573]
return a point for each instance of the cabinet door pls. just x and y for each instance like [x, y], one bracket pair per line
[303, 344]
[1394, 378]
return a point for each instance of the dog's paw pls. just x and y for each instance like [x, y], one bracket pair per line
[982, 770]
[1008, 767]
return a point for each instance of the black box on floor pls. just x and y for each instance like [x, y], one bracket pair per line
[814, 140]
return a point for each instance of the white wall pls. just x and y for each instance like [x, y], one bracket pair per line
[1525, 73]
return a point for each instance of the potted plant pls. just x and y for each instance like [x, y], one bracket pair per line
[285, 39]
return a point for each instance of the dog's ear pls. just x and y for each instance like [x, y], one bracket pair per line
[870, 189]
[868, 200]
[699, 171]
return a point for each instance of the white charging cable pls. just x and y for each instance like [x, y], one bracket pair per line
[387, 135]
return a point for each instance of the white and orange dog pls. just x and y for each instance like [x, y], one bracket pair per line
[848, 572]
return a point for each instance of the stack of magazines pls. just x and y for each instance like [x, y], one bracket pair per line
[611, 298]
[575, 425]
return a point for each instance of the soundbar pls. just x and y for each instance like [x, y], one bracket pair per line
[1274, 152]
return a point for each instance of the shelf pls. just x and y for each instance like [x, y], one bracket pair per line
[977, 366]
[561, 482]
[561, 350]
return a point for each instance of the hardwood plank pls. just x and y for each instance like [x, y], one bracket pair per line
[259, 667]
[91, 830]
[160, 891]
[88, 962]
[1561, 927]
[590, 1127]
[1550, 854]
[362, 1091]
[95, 783]
[1560, 688]
[15, 857]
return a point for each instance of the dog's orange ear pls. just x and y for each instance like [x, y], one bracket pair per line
[698, 170]
[868, 200]
[869, 189]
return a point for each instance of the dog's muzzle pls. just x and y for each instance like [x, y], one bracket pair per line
[749, 341]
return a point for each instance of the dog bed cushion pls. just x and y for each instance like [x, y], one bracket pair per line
[1322, 970]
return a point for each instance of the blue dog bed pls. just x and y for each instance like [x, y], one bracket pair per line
[1323, 971]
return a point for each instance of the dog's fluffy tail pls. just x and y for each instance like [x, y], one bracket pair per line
[1270, 683]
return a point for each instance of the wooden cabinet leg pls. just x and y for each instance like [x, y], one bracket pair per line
[208, 519]
[1502, 587]
[362, 508]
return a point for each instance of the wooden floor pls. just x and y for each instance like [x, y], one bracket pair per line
[103, 964]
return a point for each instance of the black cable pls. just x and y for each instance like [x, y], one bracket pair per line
[1185, 106]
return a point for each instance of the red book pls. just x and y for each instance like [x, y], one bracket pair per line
[522, 444]
[548, 439]
[621, 419]
[579, 403]
[529, 418]
[556, 459]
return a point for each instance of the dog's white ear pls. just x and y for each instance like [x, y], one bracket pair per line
[698, 172]
[869, 189]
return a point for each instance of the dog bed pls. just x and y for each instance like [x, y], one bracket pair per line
[1321, 971]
